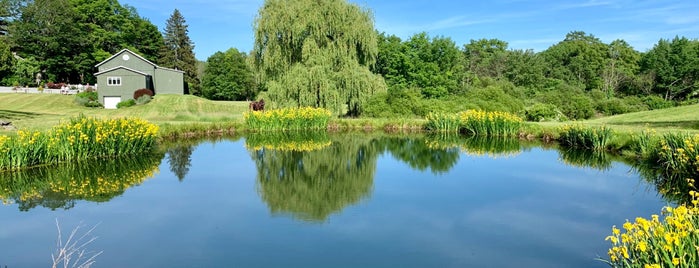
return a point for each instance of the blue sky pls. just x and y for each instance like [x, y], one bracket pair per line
[217, 25]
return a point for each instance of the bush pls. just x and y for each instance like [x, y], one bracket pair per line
[143, 99]
[87, 99]
[612, 106]
[572, 101]
[52, 85]
[543, 112]
[655, 102]
[140, 92]
[126, 103]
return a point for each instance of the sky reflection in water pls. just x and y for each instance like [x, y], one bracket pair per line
[389, 202]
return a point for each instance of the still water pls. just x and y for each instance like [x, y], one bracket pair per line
[347, 200]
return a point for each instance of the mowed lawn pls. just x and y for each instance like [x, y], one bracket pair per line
[42, 111]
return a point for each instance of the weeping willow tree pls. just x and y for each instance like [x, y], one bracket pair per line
[317, 53]
[312, 185]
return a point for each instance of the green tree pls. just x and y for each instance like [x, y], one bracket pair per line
[178, 51]
[228, 77]
[486, 57]
[316, 53]
[525, 68]
[180, 159]
[46, 30]
[620, 68]
[7, 62]
[674, 67]
[579, 60]
[25, 71]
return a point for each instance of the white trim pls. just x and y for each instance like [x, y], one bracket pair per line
[122, 51]
[121, 67]
[174, 70]
[114, 81]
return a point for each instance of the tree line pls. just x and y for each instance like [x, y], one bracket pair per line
[328, 54]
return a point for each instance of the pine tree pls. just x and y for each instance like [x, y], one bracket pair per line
[178, 52]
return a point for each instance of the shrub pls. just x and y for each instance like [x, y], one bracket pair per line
[494, 98]
[143, 99]
[52, 85]
[655, 102]
[87, 99]
[572, 101]
[126, 103]
[144, 91]
[543, 112]
[612, 106]
[585, 137]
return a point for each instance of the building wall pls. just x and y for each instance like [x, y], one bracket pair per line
[132, 62]
[168, 82]
[130, 82]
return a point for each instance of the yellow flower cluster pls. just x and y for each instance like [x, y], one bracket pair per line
[3, 141]
[288, 119]
[100, 186]
[672, 242]
[682, 154]
[490, 123]
[480, 115]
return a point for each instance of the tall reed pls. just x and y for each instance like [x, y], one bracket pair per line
[442, 122]
[578, 136]
[680, 153]
[288, 119]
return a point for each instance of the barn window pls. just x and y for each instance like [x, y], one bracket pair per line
[114, 81]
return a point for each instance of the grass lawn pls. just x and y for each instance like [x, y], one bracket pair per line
[42, 111]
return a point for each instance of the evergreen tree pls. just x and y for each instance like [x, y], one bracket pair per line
[317, 53]
[178, 51]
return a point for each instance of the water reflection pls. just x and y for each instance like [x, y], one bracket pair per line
[598, 160]
[180, 159]
[60, 186]
[311, 179]
[477, 145]
[422, 154]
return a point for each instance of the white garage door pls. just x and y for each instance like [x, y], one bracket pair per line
[111, 102]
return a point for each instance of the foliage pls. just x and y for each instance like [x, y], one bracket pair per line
[486, 57]
[674, 68]
[143, 91]
[419, 153]
[25, 71]
[443, 122]
[655, 102]
[679, 153]
[228, 77]
[670, 242]
[494, 98]
[178, 51]
[316, 53]
[77, 139]
[287, 119]
[476, 145]
[543, 112]
[143, 99]
[126, 103]
[579, 136]
[494, 124]
[579, 60]
[88, 99]
[7, 62]
[572, 101]
[577, 157]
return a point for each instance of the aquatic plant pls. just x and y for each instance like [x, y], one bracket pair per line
[442, 122]
[579, 136]
[668, 242]
[287, 119]
[77, 139]
[484, 123]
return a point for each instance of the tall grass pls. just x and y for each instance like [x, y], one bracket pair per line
[679, 153]
[77, 139]
[578, 136]
[287, 119]
[482, 123]
[442, 122]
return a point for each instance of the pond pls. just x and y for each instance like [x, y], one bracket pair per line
[320, 200]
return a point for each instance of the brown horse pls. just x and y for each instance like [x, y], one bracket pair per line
[257, 105]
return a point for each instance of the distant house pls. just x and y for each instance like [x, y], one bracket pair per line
[125, 72]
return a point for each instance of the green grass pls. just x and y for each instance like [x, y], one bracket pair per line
[42, 111]
[683, 118]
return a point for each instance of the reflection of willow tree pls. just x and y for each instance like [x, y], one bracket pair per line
[420, 154]
[59, 186]
[179, 159]
[585, 158]
[312, 184]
